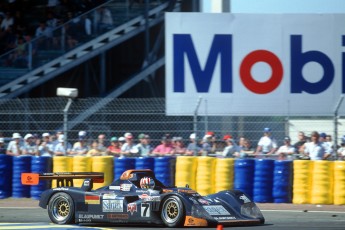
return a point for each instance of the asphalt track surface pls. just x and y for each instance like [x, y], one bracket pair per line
[25, 214]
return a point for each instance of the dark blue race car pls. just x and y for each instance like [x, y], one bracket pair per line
[138, 198]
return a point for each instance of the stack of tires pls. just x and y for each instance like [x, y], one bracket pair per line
[301, 181]
[282, 182]
[81, 164]
[6, 168]
[21, 164]
[40, 164]
[103, 164]
[185, 173]
[263, 181]
[62, 164]
[244, 176]
[163, 168]
[339, 183]
[224, 174]
[205, 179]
[122, 164]
[322, 182]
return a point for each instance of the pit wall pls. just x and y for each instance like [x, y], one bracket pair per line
[264, 180]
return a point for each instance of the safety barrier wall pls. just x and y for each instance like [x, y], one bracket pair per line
[265, 180]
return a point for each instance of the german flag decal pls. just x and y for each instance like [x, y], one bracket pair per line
[92, 199]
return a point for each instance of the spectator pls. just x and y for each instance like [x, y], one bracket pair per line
[82, 136]
[14, 148]
[315, 150]
[80, 149]
[46, 147]
[165, 148]
[95, 151]
[179, 148]
[231, 150]
[122, 140]
[2, 146]
[245, 148]
[62, 148]
[206, 146]
[45, 35]
[7, 21]
[286, 151]
[29, 147]
[266, 145]
[105, 19]
[19, 57]
[341, 150]
[299, 145]
[129, 148]
[102, 143]
[193, 147]
[55, 138]
[328, 145]
[144, 147]
[114, 148]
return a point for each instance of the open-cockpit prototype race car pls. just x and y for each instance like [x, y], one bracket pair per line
[138, 198]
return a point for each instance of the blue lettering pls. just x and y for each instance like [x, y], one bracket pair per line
[299, 59]
[221, 44]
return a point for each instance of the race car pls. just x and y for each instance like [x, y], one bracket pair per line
[138, 198]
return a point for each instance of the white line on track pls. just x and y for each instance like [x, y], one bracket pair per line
[302, 211]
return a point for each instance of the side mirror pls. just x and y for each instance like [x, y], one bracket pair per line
[87, 185]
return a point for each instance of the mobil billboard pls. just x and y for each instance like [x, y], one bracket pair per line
[255, 64]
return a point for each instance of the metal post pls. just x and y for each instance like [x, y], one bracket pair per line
[336, 123]
[195, 123]
[65, 122]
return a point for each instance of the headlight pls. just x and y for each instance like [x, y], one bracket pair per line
[251, 210]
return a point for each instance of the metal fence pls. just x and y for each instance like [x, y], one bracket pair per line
[114, 117]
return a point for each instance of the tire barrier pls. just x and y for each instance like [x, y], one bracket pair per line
[145, 163]
[339, 183]
[224, 174]
[6, 169]
[205, 177]
[163, 168]
[81, 164]
[282, 182]
[185, 172]
[263, 181]
[301, 181]
[322, 182]
[40, 164]
[103, 164]
[62, 164]
[122, 164]
[21, 164]
[244, 175]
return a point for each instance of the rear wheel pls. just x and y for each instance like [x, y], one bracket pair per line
[173, 213]
[61, 208]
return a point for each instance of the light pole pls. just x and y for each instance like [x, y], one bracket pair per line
[69, 93]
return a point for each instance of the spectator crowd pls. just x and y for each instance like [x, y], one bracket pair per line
[318, 146]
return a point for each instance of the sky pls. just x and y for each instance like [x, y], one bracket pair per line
[277, 6]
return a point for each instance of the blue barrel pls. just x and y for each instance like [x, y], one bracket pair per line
[145, 163]
[21, 164]
[282, 182]
[41, 164]
[5, 176]
[164, 170]
[122, 164]
[263, 181]
[244, 175]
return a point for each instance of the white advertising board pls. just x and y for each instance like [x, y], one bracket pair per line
[255, 64]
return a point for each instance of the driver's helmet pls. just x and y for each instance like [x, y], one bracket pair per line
[147, 183]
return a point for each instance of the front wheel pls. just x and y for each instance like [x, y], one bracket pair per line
[173, 213]
[61, 208]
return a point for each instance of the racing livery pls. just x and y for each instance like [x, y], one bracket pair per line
[137, 197]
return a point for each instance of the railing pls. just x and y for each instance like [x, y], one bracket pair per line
[31, 53]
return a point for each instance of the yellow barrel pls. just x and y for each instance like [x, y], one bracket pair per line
[103, 164]
[62, 164]
[339, 183]
[224, 174]
[81, 164]
[185, 172]
[301, 181]
[322, 182]
[205, 178]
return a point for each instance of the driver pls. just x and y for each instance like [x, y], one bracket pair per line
[147, 183]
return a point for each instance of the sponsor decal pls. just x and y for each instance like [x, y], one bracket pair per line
[60, 189]
[90, 216]
[167, 190]
[84, 220]
[186, 191]
[125, 187]
[225, 218]
[109, 196]
[92, 199]
[203, 201]
[193, 221]
[193, 200]
[244, 198]
[112, 206]
[114, 187]
[146, 197]
[117, 216]
[216, 210]
[132, 207]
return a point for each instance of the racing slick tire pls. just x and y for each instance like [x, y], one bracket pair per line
[61, 208]
[173, 212]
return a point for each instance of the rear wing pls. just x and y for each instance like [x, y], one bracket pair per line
[63, 178]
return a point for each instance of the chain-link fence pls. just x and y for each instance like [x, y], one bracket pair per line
[114, 117]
